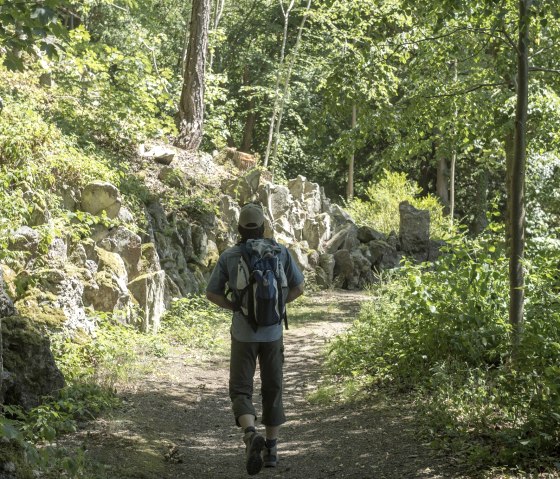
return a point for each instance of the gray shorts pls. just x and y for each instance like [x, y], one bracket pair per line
[242, 367]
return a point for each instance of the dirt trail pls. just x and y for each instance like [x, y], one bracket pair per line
[182, 413]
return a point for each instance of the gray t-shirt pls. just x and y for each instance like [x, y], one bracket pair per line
[225, 273]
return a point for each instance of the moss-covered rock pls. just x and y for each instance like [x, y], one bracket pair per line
[29, 361]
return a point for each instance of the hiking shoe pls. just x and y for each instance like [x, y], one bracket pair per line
[254, 445]
[270, 456]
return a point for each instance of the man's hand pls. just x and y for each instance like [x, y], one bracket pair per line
[294, 293]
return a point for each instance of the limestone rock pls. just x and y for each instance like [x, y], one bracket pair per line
[367, 234]
[127, 244]
[414, 230]
[149, 292]
[101, 196]
[327, 264]
[243, 189]
[160, 154]
[299, 256]
[344, 266]
[317, 230]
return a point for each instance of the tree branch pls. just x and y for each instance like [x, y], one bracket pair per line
[541, 69]
[468, 90]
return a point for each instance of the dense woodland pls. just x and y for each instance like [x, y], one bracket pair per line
[452, 105]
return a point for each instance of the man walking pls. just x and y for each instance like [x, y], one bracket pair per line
[250, 340]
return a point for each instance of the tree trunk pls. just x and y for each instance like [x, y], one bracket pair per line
[453, 153]
[218, 11]
[277, 85]
[249, 128]
[286, 94]
[442, 181]
[517, 192]
[191, 106]
[350, 185]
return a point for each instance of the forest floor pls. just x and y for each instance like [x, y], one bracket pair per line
[177, 423]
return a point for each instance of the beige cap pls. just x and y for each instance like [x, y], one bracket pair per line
[251, 216]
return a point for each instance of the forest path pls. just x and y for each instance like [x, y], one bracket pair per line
[177, 423]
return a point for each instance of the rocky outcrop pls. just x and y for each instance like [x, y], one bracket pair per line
[134, 274]
[27, 367]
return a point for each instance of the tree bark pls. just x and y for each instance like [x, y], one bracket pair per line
[251, 118]
[453, 153]
[277, 85]
[286, 93]
[442, 181]
[191, 106]
[350, 185]
[517, 192]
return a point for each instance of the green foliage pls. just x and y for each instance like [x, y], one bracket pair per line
[381, 209]
[30, 26]
[194, 322]
[443, 332]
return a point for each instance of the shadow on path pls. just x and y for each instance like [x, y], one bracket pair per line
[178, 423]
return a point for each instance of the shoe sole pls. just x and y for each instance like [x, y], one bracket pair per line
[254, 458]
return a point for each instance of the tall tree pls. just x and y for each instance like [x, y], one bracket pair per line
[191, 106]
[517, 186]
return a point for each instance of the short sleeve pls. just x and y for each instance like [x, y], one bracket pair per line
[218, 278]
[293, 274]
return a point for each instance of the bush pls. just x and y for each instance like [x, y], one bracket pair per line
[381, 209]
[443, 332]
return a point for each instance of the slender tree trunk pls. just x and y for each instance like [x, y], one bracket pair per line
[350, 185]
[286, 93]
[191, 106]
[517, 191]
[286, 13]
[251, 118]
[218, 11]
[442, 180]
[453, 154]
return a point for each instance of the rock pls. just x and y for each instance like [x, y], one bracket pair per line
[149, 291]
[57, 253]
[367, 234]
[327, 264]
[299, 256]
[313, 259]
[24, 239]
[243, 189]
[125, 215]
[28, 358]
[362, 273]
[344, 266]
[308, 194]
[317, 230]
[346, 238]
[100, 196]
[113, 263]
[70, 197]
[171, 177]
[276, 199]
[127, 244]
[108, 293]
[322, 279]
[149, 260]
[414, 229]
[160, 154]
[340, 218]
[171, 291]
[199, 243]
[7, 307]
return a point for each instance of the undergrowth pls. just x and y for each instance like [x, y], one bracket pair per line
[442, 333]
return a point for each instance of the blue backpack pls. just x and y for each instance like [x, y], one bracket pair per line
[260, 279]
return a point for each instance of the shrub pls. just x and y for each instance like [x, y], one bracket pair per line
[443, 332]
[381, 209]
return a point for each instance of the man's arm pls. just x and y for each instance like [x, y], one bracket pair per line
[294, 293]
[221, 301]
